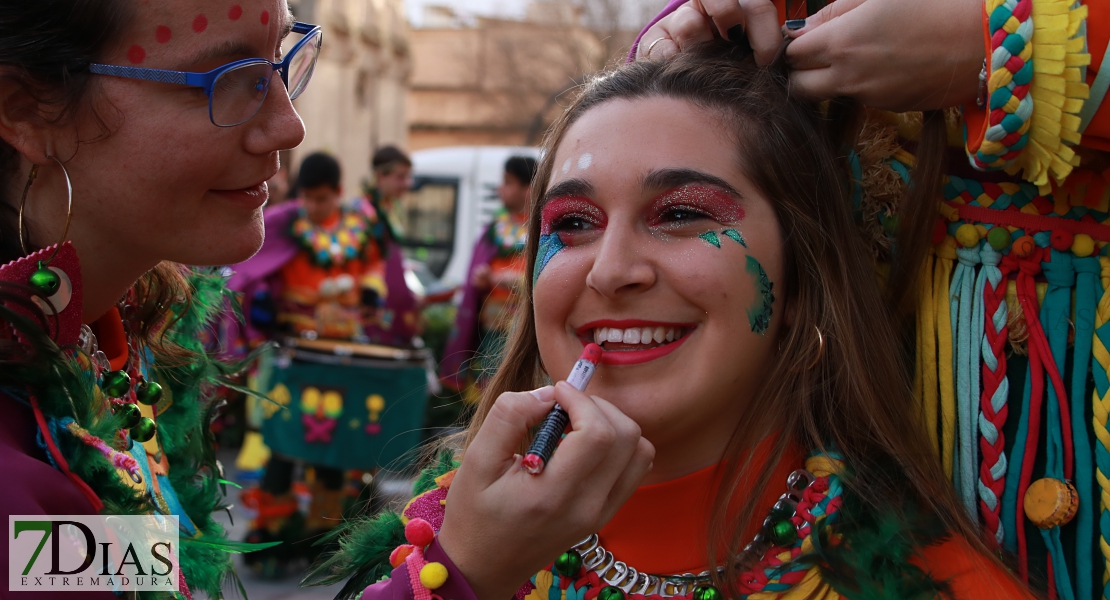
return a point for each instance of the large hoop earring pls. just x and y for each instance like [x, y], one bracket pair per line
[69, 205]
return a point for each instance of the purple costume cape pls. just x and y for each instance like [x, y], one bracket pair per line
[260, 272]
[463, 342]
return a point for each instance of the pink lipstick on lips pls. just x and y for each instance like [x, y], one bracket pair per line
[632, 356]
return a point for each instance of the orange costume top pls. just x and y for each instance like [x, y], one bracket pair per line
[678, 511]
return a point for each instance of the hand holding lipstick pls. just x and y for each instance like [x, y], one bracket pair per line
[502, 524]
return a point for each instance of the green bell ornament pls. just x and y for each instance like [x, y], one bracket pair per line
[610, 592]
[148, 392]
[131, 414]
[707, 592]
[144, 430]
[783, 533]
[568, 564]
[45, 280]
[116, 384]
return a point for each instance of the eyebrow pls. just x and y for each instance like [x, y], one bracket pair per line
[568, 187]
[666, 179]
[662, 179]
[232, 48]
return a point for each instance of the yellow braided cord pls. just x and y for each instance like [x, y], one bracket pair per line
[1101, 409]
[927, 355]
[811, 587]
[1058, 91]
[946, 255]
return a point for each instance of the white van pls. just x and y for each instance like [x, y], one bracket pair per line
[453, 199]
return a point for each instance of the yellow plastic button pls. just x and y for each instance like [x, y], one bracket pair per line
[1051, 502]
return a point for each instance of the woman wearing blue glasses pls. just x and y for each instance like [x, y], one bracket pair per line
[135, 137]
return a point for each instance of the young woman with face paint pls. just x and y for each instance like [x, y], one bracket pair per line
[135, 137]
[749, 433]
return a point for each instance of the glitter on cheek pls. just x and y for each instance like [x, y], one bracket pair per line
[265, 17]
[585, 161]
[550, 245]
[566, 166]
[235, 13]
[163, 34]
[200, 23]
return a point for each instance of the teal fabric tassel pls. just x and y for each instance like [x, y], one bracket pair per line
[1087, 288]
[968, 331]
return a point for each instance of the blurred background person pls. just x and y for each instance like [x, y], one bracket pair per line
[488, 303]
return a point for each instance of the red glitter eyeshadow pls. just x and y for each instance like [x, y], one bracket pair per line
[559, 208]
[716, 204]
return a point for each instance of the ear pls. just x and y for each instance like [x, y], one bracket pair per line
[790, 313]
[21, 123]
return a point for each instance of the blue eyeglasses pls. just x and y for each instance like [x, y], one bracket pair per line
[237, 90]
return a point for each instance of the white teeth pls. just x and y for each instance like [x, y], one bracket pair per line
[658, 334]
[645, 335]
[632, 336]
[670, 334]
[615, 335]
[637, 335]
[600, 335]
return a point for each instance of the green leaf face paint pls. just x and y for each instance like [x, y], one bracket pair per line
[735, 236]
[711, 238]
[759, 314]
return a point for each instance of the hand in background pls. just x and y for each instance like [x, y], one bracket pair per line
[895, 55]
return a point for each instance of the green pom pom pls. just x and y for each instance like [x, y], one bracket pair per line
[144, 430]
[999, 238]
[148, 393]
[46, 281]
[116, 384]
[707, 592]
[610, 592]
[568, 564]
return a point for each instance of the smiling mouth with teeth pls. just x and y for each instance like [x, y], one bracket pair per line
[617, 339]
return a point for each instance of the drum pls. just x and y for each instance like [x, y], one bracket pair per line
[346, 405]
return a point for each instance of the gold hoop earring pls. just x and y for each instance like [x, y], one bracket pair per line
[820, 348]
[45, 279]
[23, 203]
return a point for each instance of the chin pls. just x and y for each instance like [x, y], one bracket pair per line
[221, 246]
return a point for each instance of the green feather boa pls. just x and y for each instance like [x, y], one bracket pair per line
[359, 550]
[64, 389]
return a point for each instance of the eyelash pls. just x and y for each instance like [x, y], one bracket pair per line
[693, 214]
[570, 215]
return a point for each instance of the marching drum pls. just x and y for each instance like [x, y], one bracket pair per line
[346, 405]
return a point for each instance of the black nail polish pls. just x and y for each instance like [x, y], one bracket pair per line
[795, 24]
[737, 36]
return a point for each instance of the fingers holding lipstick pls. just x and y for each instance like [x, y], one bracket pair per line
[506, 424]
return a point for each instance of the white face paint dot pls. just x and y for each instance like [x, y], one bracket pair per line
[585, 161]
[566, 166]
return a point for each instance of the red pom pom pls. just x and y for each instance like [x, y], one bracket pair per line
[1061, 240]
[939, 232]
[399, 554]
[419, 532]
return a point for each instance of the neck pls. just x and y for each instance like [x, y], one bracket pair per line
[106, 276]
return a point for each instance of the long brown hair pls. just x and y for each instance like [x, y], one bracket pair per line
[856, 398]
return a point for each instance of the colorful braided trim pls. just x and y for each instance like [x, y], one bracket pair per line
[1036, 89]
[1010, 26]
